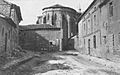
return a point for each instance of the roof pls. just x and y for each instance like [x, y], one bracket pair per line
[58, 6]
[18, 11]
[9, 20]
[38, 27]
[80, 17]
[103, 3]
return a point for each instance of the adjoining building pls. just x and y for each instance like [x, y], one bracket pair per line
[62, 17]
[40, 37]
[99, 29]
[10, 17]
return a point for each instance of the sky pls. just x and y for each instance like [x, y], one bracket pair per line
[30, 9]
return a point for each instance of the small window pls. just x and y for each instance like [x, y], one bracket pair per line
[84, 41]
[51, 43]
[95, 8]
[119, 37]
[105, 40]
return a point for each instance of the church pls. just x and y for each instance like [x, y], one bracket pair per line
[54, 29]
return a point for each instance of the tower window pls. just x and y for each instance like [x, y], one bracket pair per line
[44, 19]
[52, 20]
[48, 17]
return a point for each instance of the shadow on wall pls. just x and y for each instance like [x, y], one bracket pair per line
[30, 40]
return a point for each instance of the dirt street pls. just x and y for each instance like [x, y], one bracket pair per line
[60, 63]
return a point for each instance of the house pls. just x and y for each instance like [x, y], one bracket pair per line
[99, 29]
[10, 17]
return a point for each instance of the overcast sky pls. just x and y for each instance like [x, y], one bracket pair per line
[30, 9]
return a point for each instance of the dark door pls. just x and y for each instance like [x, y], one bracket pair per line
[5, 42]
[88, 46]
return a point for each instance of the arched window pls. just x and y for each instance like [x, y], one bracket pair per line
[52, 20]
[94, 41]
[44, 19]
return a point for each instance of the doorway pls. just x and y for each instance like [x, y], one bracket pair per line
[89, 46]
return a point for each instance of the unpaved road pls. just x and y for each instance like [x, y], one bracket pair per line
[59, 63]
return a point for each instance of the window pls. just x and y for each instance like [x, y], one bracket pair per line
[52, 20]
[111, 9]
[88, 22]
[119, 37]
[84, 27]
[94, 41]
[44, 19]
[89, 25]
[9, 34]
[2, 31]
[95, 8]
[55, 16]
[94, 19]
[48, 17]
[113, 40]
[51, 43]
[84, 42]
[105, 40]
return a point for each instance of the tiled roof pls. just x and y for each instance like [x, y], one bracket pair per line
[38, 26]
[58, 6]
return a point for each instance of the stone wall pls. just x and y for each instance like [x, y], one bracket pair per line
[104, 23]
[40, 40]
[63, 17]
[8, 36]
